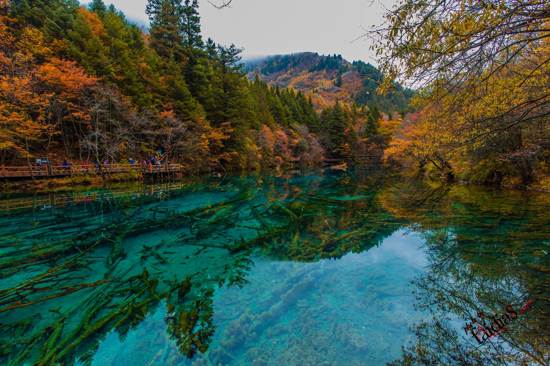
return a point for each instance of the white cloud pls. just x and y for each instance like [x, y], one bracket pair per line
[265, 27]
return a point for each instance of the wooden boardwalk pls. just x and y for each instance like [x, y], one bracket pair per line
[57, 171]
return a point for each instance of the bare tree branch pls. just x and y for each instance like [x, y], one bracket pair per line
[224, 4]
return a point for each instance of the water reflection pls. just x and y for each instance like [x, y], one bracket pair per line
[271, 270]
[489, 251]
[351, 311]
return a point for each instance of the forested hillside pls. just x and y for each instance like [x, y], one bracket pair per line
[327, 79]
[86, 84]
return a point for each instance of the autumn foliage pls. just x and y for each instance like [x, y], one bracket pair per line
[99, 89]
[483, 72]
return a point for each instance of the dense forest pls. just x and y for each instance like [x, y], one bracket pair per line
[84, 83]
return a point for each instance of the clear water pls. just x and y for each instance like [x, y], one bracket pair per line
[309, 269]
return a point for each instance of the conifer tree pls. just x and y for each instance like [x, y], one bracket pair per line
[191, 26]
[335, 121]
[99, 7]
[180, 98]
[86, 46]
[166, 34]
[229, 58]
[372, 121]
[197, 69]
[211, 49]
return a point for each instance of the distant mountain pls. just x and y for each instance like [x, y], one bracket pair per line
[328, 79]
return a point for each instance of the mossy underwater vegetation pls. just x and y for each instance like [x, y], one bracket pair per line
[230, 272]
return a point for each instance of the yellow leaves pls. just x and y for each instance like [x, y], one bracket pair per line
[218, 134]
[32, 45]
[389, 127]
[492, 123]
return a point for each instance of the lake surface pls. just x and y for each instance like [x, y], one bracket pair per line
[305, 269]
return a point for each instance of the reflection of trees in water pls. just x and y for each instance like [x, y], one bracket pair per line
[71, 275]
[487, 250]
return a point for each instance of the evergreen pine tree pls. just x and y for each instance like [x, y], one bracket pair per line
[183, 103]
[88, 48]
[338, 81]
[211, 49]
[166, 37]
[191, 26]
[99, 7]
[372, 121]
[335, 122]
[197, 68]
[229, 58]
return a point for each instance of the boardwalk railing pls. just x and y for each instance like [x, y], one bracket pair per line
[58, 171]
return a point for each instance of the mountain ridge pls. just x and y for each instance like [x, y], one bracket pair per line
[328, 79]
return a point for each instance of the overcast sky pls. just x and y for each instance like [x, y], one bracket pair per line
[266, 27]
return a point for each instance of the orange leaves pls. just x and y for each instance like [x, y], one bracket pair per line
[6, 44]
[64, 83]
[37, 90]
[16, 129]
[167, 115]
[6, 36]
[266, 140]
[66, 76]
[5, 61]
[95, 24]
[19, 96]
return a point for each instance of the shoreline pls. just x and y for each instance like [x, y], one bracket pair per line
[90, 182]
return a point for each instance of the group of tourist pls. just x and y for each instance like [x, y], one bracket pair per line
[149, 164]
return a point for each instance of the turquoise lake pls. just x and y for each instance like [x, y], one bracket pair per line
[326, 268]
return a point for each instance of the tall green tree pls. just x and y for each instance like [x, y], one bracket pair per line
[98, 6]
[165, 17]
[191, 26]
[335, 124]
[372, 121]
